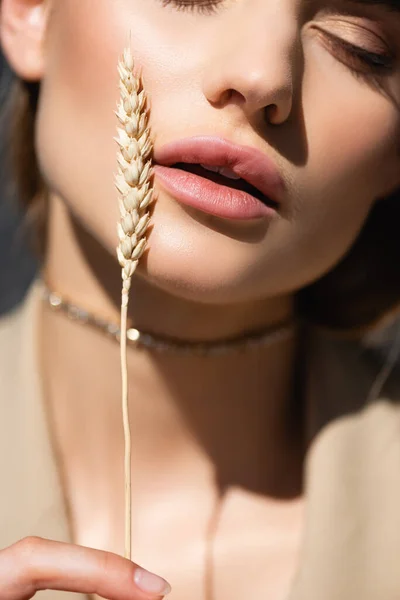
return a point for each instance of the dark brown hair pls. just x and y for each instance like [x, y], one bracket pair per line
[20, 116]
[362, 289]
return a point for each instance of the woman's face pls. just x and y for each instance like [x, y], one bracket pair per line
[329, 71]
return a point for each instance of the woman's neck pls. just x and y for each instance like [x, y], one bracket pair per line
[233, 413]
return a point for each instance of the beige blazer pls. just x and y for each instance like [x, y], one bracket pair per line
[351, 545]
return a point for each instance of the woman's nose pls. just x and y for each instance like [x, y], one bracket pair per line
[255, 59]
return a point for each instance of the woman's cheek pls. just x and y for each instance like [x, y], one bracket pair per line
[351, 129]
[76, 121]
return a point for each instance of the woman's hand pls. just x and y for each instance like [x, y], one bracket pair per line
[35, 564]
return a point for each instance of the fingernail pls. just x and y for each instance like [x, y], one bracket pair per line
[150, 583]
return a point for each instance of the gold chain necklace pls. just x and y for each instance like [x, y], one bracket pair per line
[148, 340]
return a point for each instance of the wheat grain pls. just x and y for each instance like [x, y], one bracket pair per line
[136, 193]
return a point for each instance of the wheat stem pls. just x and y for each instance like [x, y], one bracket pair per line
[127, 435]
[133, 184]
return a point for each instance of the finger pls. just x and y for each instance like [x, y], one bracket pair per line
[35, 564]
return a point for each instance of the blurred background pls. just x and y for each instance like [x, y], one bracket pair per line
[17, 265]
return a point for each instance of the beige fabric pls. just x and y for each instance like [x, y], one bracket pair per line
[351, 546]
[31, 500]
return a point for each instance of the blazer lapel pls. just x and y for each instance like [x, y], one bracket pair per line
[31, 499]
[351, 547]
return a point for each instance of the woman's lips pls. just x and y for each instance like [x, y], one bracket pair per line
[220, 200]
[261, 185]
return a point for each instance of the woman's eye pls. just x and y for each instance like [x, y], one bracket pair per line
[360, 61]
[202, 6]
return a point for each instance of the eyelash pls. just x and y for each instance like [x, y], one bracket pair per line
[359, 61]
[206, 7]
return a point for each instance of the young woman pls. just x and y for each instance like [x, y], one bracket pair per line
[262, 467]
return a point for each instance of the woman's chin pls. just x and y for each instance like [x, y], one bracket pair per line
[194, 277]
[191, 259]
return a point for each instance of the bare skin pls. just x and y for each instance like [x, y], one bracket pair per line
[217, 434]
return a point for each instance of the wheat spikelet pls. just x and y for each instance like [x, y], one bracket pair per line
[134, 187]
